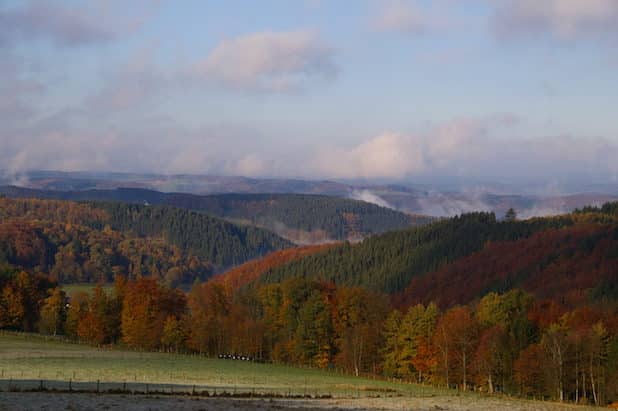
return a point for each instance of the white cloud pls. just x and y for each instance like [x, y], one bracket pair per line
[469, 148]
[269, 61]
[464, 148]
[565, 20]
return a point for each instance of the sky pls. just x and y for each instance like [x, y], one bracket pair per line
[340, 89]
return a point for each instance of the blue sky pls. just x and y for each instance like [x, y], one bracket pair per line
[312, 88]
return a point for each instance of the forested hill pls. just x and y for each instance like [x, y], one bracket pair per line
[572, 266]
[570, 258]
[389, 261]
[216, 240]
[91, 242]
[303, 218]
[238, 277]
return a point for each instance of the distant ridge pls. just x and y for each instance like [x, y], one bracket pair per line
[302, 218]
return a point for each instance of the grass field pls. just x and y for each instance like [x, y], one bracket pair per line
[27, 357]
[30, 358]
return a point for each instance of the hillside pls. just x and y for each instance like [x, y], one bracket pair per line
[568, 258]
[250, 271]
[571, 265]
[302, 218]
[389, 261]
[80, 242]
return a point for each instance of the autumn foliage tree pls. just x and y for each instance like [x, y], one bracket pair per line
[455, 339]
[358, 317]
[53, 313]
[146, 307]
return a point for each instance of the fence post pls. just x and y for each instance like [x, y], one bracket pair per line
[98, 383]
[70, 385]
[41, 385]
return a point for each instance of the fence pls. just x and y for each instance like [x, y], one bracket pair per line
[238, 391]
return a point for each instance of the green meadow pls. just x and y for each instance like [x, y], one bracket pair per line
[31, 357]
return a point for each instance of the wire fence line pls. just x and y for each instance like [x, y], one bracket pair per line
[138, 388]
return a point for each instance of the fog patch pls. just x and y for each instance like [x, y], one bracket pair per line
[370, 197]
[448, 205]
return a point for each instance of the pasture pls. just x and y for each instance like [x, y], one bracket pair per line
[28, 360]
[28, 357]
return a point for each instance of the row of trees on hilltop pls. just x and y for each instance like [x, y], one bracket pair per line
[509, 343]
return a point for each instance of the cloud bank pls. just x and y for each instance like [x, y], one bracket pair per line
[470, 148]
[269, 61]
[459, 148]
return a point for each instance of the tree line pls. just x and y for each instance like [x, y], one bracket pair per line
[509, 343]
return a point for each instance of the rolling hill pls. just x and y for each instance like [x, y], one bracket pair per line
[250, 271]
[91, 242]
[571, 258]
[438, 197]
[302, 218]
[571, 265]
[389, 261]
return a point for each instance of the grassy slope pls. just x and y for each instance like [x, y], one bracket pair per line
[30, 357]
